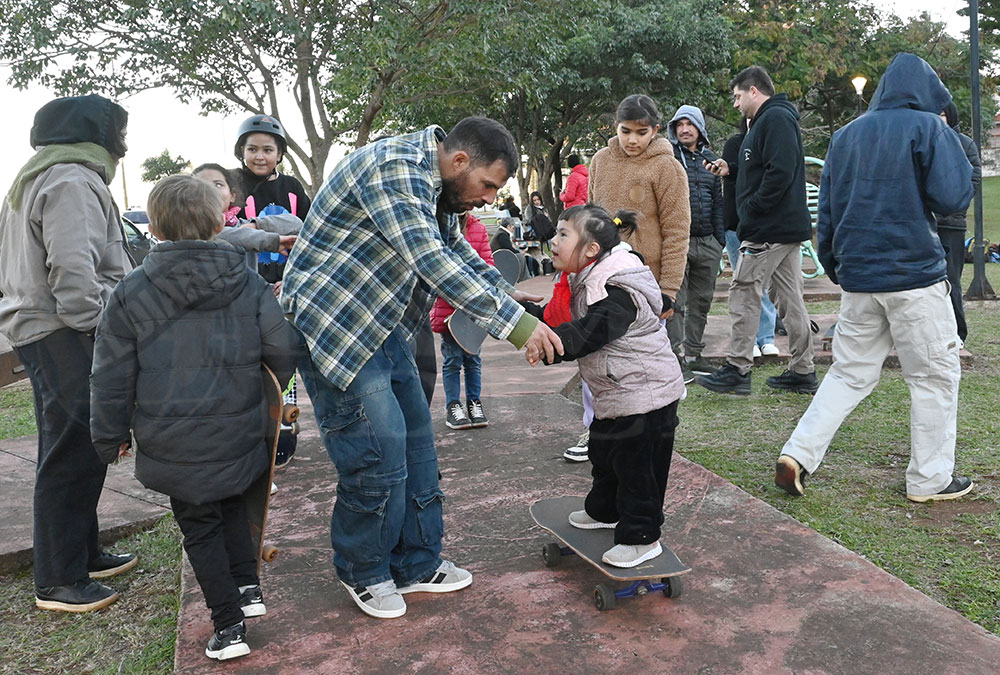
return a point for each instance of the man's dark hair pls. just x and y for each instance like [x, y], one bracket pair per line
[572, 161]
[754, 76]
[486, 141]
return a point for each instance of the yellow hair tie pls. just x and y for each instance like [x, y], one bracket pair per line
[618, 222]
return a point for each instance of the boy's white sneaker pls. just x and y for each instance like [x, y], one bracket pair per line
[447, 577]
[584, 522]
[770, 349]
[380, 600]
[630, 555]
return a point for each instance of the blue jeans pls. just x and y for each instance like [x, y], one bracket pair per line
[386, 522]
[765, 330]
[453, 359]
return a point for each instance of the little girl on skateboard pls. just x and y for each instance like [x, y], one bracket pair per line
[612, 329]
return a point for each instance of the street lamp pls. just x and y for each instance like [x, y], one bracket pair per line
[859, 83]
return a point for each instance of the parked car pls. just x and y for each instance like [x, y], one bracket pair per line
[138, 241]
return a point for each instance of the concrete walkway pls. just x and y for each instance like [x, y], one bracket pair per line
[766, 594]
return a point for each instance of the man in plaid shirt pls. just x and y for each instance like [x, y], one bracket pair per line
[381, 240]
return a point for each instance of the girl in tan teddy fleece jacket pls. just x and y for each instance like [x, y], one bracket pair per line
[638, 172]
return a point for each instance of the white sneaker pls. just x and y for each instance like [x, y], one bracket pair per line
[274, 488]
[580, 451]
[444, 579]
[630, 555]
[756, 351]
[382, 600]
[770, 349]
[584, 522]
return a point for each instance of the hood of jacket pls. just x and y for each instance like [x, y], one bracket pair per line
[776, 102]
[79, 119]
[910, 82]
[658, 146]
[197, 274]
[580, 169]
[695, 116]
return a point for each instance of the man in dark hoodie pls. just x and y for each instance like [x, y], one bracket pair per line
[886, 173]
[62, 250]
[686, 327]
[951, 228]
[774, 221]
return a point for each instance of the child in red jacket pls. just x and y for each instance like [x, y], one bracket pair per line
[453, 357]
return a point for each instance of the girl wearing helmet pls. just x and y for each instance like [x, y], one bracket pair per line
[260, 147]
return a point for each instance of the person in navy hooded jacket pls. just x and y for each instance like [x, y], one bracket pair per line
[886, 174]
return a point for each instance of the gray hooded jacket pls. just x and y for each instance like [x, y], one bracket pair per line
[704, 188]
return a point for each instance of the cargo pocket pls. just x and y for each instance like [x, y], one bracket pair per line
[429, 518]
[359, 528]
[350, 441]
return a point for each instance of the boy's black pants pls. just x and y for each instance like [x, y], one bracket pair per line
[631, 461]
[69, 476]
[217, 542]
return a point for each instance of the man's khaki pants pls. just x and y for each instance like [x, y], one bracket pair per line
[777, 267]
[920, 324]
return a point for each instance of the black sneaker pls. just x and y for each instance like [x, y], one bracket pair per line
[726, 380]
[83, 596]
[287, 443]
[252, 601]
[686, 374]
[477, 417]
[228, 643]
[699, 366]
[108, 565]
[790, 476]
[791, 381]
[457, 417]
[959, 487]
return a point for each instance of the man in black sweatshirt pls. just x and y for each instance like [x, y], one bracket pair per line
[774, 220]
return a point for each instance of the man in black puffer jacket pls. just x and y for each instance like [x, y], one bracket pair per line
[708, 236]
[951, 228]
[177, 360]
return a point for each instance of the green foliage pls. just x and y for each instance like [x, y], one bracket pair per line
[163, 165]
[813, 48]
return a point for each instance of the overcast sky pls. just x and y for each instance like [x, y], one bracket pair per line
[157, 121]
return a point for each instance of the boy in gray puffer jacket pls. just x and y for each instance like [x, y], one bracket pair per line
[177, 361]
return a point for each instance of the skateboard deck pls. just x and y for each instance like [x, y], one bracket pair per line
[466, 332]
[258, 495]
[553, 516]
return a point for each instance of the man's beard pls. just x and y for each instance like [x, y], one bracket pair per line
[450, 194]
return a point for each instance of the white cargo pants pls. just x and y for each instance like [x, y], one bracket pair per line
[920, 324]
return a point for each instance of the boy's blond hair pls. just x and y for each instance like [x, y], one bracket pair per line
[184, 207]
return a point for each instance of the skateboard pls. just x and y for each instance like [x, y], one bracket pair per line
[553, 516]
[258, 495]
[466, 332]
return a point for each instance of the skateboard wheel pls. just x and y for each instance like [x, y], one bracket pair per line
[268, 553]
[673, 587]
[552, 555]
[604, 596]
[295, 428]
[289, 413]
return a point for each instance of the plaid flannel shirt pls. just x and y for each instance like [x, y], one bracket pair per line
[371, 256]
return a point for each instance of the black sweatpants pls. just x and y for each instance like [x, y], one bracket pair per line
[953, 242]
[217, 542]
[70, 475]
[630, 458]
